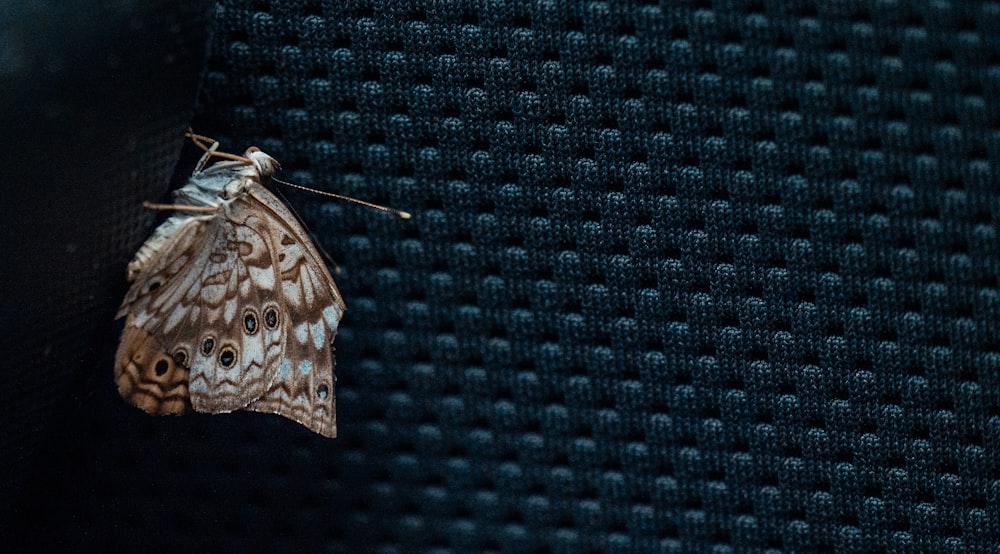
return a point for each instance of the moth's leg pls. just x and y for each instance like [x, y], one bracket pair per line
[201, 141]
[205, 157]
[211, 148]
[181, 207]
[209, 145]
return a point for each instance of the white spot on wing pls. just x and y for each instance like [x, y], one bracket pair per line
[290, 289]
[230, 310]
[305, 366]
[302, 332]
[213, 294]
[286, 366]
[141, 318]
[262, 277]
[318, 334]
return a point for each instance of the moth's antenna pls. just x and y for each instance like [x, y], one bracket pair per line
[394, 211]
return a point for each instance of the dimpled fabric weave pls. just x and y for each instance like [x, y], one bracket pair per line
[681, 277]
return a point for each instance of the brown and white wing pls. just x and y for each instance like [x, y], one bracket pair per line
[303, 389]
[207, 306]
[147, 373]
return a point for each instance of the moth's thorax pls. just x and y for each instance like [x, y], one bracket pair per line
[235, 188]
[225, 181]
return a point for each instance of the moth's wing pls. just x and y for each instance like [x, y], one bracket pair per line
[147, 376]
[206, 301]
[239, 347]
[147, 373]
[303, 389]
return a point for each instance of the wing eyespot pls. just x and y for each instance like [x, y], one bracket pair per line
[322, 391]
[271, 317]
[180, 358]
[161, 367]
[153, 286]
[250, 324]
[207, 346]
[227, 357]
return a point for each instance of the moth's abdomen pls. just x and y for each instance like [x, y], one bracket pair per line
[148, 377]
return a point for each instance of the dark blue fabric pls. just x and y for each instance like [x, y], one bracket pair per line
[681, 277]
[93, 103]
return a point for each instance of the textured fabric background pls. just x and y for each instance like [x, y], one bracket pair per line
[681, 277]
[94, 99]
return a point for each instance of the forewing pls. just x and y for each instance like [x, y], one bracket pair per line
[303, 389]
[236, 354]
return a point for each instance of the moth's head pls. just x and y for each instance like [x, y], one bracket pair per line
[264, 164]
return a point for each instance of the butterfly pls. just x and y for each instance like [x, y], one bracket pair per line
[230, 306]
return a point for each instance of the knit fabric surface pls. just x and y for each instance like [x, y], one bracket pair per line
[680, 277]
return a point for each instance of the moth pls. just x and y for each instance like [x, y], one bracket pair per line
[230, 307]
